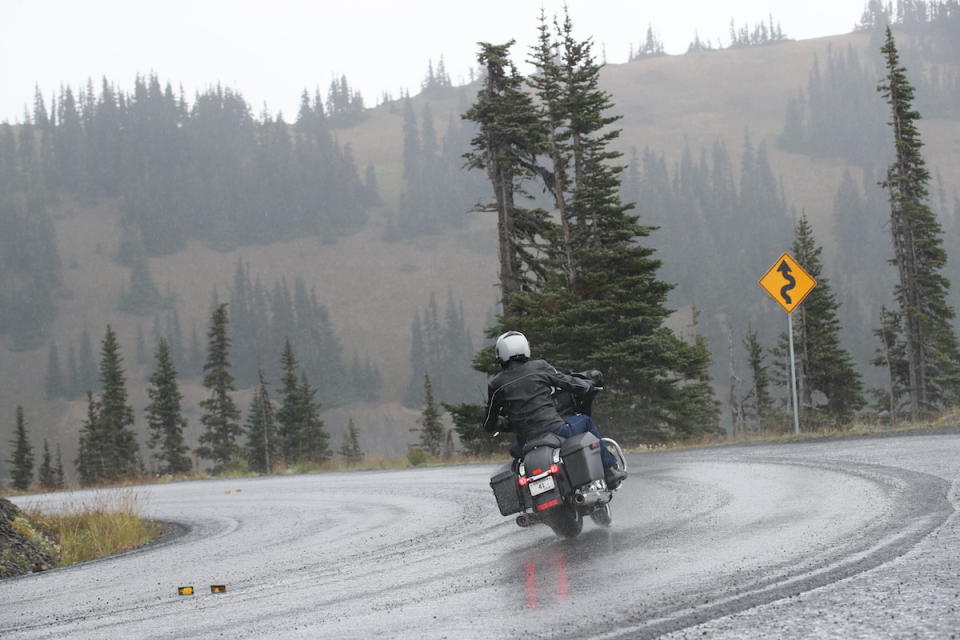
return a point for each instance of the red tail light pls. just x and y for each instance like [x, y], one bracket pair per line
[522, 481]
[553, 470]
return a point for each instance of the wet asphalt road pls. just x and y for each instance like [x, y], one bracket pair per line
[851, 539]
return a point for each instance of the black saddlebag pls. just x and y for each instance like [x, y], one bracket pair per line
[506, 490]
[581, 459]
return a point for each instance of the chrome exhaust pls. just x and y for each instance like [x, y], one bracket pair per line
[592, 498]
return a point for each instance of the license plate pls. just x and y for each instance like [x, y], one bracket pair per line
[541, 486]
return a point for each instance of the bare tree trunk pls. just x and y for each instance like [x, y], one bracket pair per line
[561, 202]
[503, 191]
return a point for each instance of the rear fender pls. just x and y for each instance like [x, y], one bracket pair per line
[535, 463]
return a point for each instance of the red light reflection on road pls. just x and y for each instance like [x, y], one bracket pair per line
[553, 576]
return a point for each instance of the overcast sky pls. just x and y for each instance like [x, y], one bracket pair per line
[271, 51]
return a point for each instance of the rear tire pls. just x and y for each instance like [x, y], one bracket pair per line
[565, 522]
[601, 517]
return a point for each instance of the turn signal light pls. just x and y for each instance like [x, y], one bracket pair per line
[522, 481]
[554, 469]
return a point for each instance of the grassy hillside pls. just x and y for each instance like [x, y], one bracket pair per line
[372, 288]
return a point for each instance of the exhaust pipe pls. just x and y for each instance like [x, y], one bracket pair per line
[523, 520]
[592, 498]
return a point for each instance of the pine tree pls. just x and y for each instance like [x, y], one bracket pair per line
[314, 438]
[823, 366]
[261, 430]
[22, 460]
[289, 421]
[431, 428]
[605, 308]
[759, 394]
[350, 449]
[220, 415]
[467, 423]
[165, 416]
[46, 474]
[115, 417]
[510, 137]
[932, 352]
[143, 297]
[91, 461]
[59, 478]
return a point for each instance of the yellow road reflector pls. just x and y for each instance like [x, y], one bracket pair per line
[227, 492]
[218, 588]
[185, 591]
[236, 490]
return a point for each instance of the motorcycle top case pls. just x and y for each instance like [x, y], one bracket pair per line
[506, 490]
[581, 459]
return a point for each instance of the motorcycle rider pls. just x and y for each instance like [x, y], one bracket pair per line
[519, 398]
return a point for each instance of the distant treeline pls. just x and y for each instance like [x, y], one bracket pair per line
[442, 348]
[209, 171]
[838, 113]
[438, 194]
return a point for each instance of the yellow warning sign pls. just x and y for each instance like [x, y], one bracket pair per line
[787, 282]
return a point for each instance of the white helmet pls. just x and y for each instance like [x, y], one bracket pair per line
[512, 344]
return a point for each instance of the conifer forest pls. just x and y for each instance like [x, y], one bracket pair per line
[193, 282]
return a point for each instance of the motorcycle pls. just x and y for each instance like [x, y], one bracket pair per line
[557, 481]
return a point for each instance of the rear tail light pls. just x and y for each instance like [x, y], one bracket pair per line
[554, 469]
[547, 505]
[522, 481]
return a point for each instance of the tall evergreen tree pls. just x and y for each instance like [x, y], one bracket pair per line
[220, 414]
[759, 396]
[262, 430]
[59, 478]
[165, 416]
[21, 463]
[314, 438]
[289, 423]
[431, 428]
[510, 137]
[46, 474]
[932, 352]
[91, 461]
[350, 449]
[823, 366]
[115, 416]
[610, 312]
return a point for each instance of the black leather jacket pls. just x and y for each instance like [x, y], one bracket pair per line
[522, 393]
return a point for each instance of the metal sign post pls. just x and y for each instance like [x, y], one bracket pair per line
[793, 377]
[788, 284]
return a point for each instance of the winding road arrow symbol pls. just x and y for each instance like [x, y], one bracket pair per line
[785, 271]
[787, 282]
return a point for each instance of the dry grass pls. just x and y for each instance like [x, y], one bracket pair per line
[107, 523]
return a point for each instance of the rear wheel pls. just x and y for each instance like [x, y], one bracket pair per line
[601, 517]
[565, 522]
